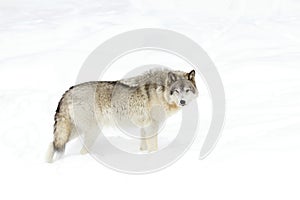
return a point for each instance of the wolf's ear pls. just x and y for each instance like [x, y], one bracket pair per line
[191, 75]
[171, 77]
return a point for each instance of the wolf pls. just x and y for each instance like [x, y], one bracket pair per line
[87, 106]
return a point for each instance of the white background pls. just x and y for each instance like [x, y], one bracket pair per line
[254, 44]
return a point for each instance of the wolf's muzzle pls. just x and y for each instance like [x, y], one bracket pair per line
[182, 102]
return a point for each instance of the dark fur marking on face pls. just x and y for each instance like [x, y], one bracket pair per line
[192, 89]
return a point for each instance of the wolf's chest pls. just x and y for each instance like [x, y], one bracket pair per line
[172, 108]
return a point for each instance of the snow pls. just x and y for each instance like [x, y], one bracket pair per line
[255, 46]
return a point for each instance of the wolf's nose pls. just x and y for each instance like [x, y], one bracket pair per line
[182, 102]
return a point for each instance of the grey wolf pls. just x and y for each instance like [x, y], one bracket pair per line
[86, 107]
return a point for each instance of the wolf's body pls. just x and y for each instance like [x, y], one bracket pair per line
[87, 106]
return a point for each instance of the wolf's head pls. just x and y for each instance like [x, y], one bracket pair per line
[182, 87]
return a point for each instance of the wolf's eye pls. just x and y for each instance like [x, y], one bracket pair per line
[187, 90]
[174, 91]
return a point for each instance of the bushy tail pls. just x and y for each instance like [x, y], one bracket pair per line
[62, 130]
[54, 153]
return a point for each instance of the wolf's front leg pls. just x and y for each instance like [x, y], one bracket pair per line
[152, 143]
[151, 136]
[143, 146]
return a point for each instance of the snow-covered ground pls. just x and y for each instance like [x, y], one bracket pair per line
[255, 46]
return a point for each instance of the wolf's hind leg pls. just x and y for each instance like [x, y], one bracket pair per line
[89, 138]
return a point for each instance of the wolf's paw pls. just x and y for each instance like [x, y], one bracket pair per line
[152, 149]
[143, 147]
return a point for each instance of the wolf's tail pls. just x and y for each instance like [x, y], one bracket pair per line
[62, 130]
[54, 153]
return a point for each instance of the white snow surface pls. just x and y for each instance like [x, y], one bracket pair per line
[255, 46]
